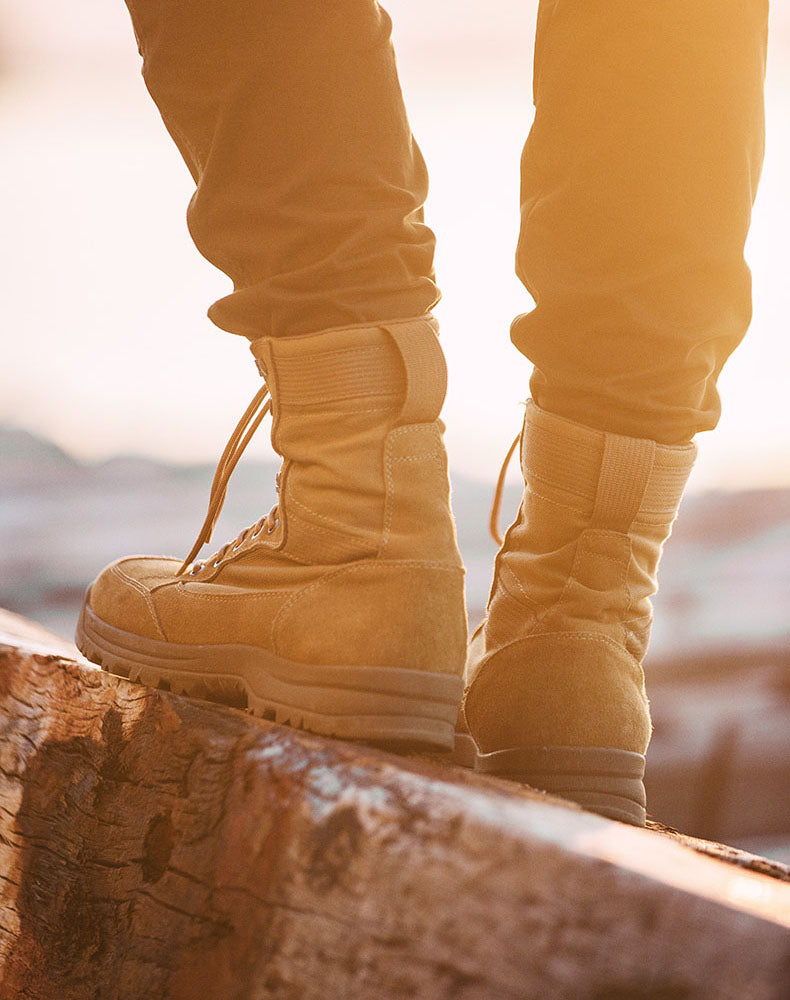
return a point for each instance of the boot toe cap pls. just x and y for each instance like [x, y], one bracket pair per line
[122, 593]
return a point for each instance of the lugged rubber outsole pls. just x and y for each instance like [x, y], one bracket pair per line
[603, 780]
[390, 706]
[600, 779]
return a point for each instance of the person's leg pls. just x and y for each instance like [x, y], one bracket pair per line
[638, 179]
[310, 186]
[342, 609]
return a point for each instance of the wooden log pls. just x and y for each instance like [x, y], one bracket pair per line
[155, 846]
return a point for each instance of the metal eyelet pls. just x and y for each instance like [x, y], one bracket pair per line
[216, 563]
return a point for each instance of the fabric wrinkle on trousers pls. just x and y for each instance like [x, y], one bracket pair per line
[638, 178]
[310, 186]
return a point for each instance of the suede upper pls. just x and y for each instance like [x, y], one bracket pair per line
[359, 564]
[558, 659]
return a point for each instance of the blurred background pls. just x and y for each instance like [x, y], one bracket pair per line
[103, 293]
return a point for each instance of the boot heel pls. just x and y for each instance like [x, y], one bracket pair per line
[603, 780]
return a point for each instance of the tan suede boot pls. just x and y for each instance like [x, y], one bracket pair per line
[556, 694]
[342, 610]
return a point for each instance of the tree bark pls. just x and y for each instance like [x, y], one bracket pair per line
[152, 845]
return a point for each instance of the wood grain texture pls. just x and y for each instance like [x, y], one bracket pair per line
[156, 846]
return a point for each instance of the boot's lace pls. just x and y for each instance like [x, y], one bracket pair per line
[260, 405]
[493, 522]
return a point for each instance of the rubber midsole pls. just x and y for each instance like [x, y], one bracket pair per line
[330, 689]
[602, 761]
[603, 779]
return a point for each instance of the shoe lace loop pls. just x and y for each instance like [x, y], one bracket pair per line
[493, 522]
[250, 421]
[260, 405]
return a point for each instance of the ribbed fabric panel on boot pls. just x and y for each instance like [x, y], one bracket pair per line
[338, 375]
[570, 457]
